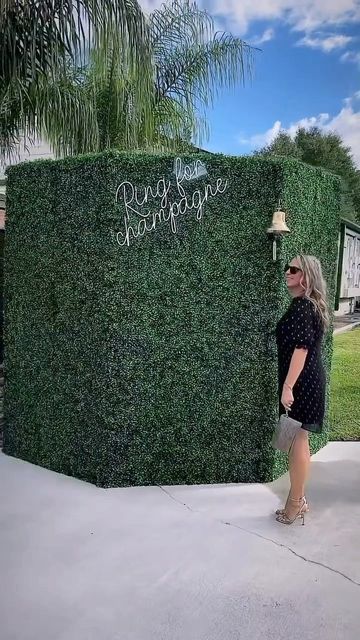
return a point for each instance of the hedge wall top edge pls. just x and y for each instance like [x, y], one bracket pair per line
[68, 162]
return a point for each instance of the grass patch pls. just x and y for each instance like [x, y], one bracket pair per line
[345, 387]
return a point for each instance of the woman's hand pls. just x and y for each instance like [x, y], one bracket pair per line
[287, 397]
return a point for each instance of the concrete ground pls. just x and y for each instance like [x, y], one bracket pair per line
[346, 323]
[179, 563]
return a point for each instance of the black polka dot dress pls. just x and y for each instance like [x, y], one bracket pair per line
[301, 327]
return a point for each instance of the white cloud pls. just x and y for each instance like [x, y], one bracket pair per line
[306, 123]
[346, 123]
[268, 35]
[150, 5]
[325, 43]
[351, 56]
[303, 15]
[261, 139]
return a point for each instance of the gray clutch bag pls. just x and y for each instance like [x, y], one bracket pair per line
[285, 433]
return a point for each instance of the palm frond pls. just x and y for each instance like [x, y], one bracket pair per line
[194, 75]
[38, 40]
[178, 23]
[57, 110]
[66, 116]
[203, 69]
[175, 124]
[10, 134]
[41, 35]
[123, 118]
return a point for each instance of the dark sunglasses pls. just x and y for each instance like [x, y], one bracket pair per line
[293, 270]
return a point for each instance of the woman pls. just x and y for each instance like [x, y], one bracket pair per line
[301, 373]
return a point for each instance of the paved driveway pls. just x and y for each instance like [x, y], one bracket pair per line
[179, 563]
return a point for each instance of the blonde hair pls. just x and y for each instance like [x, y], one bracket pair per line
[314, 286]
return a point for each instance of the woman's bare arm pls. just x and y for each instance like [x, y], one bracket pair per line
[297, 364]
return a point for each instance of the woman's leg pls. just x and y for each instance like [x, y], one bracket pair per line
[299, 462]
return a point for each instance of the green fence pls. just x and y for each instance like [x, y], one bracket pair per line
[141, 303]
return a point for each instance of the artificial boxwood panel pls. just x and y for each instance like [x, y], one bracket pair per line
[313, 203]
[153, 363]
[2, 238]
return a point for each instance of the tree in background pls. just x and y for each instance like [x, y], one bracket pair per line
[40, 39]
[327, 150]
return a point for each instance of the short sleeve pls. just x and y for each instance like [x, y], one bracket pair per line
[303, 324]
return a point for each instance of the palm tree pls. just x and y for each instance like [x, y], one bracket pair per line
[39, 39]
[192, 63]
[189, 64]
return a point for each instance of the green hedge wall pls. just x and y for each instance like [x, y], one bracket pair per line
[2, 242]
[153, 363]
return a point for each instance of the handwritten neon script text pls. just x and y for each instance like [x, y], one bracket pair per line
[135, 199]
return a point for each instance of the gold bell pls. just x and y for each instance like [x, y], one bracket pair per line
[278, 225]
[278, 228]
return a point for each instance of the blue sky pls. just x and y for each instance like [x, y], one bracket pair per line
[307, 73]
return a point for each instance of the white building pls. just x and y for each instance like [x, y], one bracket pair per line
[348, 280]
[29, 151]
